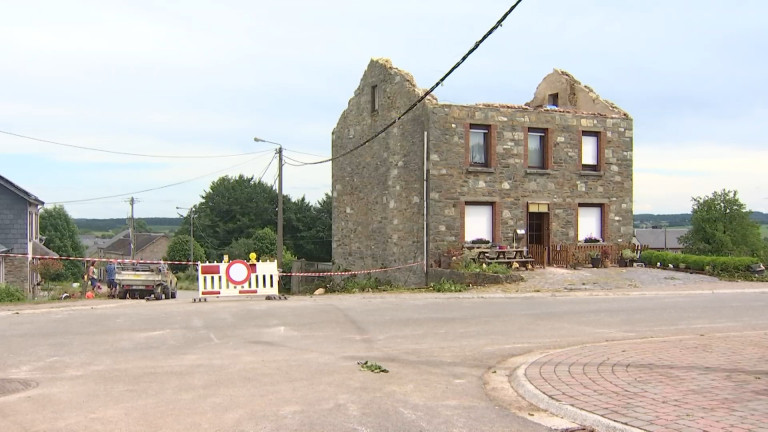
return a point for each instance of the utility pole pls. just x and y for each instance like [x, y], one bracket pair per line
[280, 207]
[132, 230]
[279, 245]
[191, 231]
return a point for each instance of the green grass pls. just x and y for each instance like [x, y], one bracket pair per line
[764, 230]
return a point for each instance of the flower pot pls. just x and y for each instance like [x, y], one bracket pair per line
[596, 262]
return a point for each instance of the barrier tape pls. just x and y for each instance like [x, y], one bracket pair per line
[353, 272]
[129, 261]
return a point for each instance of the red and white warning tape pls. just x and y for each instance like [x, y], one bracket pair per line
[344, 273]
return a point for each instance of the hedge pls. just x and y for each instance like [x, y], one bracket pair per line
[709, 264]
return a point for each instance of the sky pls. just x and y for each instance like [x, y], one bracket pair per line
[192, 83]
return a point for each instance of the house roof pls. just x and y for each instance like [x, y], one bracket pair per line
[39, 250]
[19, 191]
[654, 238]
[121, 244]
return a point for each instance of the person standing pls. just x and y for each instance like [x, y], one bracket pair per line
[111, 276]
[92, 275]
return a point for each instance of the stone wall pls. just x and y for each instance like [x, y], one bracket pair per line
[378, 190]
[511, 185]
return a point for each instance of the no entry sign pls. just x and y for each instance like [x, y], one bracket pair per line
[238, 272]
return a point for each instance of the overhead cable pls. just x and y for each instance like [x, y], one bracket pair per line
[176, 156]
[427, 93]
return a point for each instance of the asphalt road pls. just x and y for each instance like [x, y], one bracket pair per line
[255, 365]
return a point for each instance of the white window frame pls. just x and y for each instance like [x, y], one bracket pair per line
[475, 132]
[590, 221]
[478, 221]
[590, 151]
[542, 135]
[2, 269]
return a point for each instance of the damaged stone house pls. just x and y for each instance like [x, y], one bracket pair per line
[553, 171]
[20, 240]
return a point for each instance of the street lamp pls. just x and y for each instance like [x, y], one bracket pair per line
[279, 152]
[191, 231]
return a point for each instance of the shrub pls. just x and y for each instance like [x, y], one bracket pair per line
[10, 293]
[356, 284]
[446, 285]
[719, 266]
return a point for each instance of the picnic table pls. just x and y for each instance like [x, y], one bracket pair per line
[503, 255]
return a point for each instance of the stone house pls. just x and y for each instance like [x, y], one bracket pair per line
[149, 247]
[555, 170]
[20, 239]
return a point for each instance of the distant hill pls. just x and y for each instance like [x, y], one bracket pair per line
[104, 225]
[682, 219]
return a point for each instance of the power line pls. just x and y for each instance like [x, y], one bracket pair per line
[128, 153]
[427, 93]
[155, 188]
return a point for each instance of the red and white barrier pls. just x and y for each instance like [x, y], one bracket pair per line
[237, 278]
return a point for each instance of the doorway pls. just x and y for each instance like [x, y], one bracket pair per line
[538, 232]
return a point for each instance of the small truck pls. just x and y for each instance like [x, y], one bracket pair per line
[140, 281]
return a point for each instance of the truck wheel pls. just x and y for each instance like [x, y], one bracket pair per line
[122, 294]
[167, 292]
[159, 294]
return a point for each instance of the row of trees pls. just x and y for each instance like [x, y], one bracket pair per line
[238, 215]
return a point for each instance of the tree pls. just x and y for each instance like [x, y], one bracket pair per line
[308, 228]
[264, 243]
[61, 236]
[721, 225]
[233, 208]
[178, 250]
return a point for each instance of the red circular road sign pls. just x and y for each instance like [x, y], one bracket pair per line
[238, 272]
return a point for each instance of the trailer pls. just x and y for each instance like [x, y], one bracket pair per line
[140, 281]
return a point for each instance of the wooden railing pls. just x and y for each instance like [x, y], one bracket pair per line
[566, 255]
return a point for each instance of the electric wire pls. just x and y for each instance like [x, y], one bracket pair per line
[129, 153]
[426, 94]
[155, 188]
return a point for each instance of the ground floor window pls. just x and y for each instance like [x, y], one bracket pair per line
[590, 221]
[478, 221]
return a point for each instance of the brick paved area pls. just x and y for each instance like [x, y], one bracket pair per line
[704, 383]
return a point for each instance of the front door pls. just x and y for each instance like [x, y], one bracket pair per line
[538, 232]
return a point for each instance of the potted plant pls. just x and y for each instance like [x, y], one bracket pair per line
[605, 255]
[626, 258]
[591, 239]
[595, 259]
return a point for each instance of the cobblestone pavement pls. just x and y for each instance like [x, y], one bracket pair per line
[699, 383]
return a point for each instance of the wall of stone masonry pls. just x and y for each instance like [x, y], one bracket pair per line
[378, 190]
[564, 186]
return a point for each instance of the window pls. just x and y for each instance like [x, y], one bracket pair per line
[590, 221]
[478, 221]
[553, 99]
[538, 154]
[374, 98]
[479, 145]
[590, 151]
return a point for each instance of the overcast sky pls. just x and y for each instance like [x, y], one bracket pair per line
[203, 78]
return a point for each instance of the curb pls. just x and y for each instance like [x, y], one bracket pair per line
[585, 418]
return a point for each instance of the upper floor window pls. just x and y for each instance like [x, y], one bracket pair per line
[553, 100]
[590, 151]
[538, 151]
[479, 144]
[374, 98]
